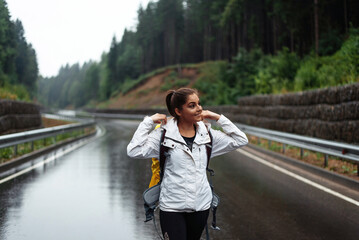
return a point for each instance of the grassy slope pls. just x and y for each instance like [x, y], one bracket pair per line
[151, 92]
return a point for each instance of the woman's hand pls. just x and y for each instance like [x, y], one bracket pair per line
[159, 118]
[206, 114]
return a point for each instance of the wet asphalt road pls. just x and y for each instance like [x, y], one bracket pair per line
[95, 192]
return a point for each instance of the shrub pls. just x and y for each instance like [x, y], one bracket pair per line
[307, 77]
[277, 73]
[14, 92]
[330, 42]
[5, 94]
[245, 68]
[338, 69]
[172, 81]
[209, 83]
[350, 53]
[130, 84]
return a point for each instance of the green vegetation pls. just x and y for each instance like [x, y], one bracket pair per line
[337, 69]
[250, 47]
[210, 84]
[74, 86]
[247, 46]
[18, 63]
[172, 81]
[223, 82]
[255, 73]
[15, 92]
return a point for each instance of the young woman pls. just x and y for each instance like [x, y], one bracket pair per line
[185, 196]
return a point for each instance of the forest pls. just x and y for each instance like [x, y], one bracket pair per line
[18, 62]
[248, 47]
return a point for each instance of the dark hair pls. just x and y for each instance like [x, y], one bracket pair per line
[177, 98]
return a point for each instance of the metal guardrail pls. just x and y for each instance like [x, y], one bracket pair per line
[33, 135]
[342, 150]
[64, 117]
[118, 115]
[337, 149]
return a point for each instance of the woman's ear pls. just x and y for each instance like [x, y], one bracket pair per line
[178, 112]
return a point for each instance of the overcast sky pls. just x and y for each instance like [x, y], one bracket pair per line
[71, 31]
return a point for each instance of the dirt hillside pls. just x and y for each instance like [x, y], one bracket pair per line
[149, 93]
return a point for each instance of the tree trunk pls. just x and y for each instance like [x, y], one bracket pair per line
[233, 40]
[219, 45]
[245, 31]
[345, 17]
[209, 42]
[204, 43]
[264, 28]
[165, 47]
[274, 35]
[291, 40]
[240, 34]
[316, 26]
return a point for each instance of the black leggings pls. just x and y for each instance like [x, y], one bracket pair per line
[182, 225]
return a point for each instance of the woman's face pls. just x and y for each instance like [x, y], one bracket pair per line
[191, 110]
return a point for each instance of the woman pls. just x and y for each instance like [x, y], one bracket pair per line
[185, 196]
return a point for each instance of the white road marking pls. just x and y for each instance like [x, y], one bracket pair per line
[53, 157]
[300, 178]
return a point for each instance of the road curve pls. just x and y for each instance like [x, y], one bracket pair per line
[95, 192]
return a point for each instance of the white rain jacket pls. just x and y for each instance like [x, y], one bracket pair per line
[184, 186]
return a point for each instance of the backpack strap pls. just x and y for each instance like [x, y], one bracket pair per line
[163, 153]
[215, 198]
[209, 153]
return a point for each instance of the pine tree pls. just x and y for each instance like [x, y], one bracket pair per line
[7, 46]
[26, 62]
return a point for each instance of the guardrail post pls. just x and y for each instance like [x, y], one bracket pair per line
[301, 153]
[32, 146]
[325, 160]
[15, 150]
[283, 148]
[269, 143]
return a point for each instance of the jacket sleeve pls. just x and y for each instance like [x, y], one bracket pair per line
[230, 139]
[145, 144]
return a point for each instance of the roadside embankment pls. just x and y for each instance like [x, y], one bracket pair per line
[18, 116]
[330, 113]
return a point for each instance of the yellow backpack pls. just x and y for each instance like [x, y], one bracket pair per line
[155, 167]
